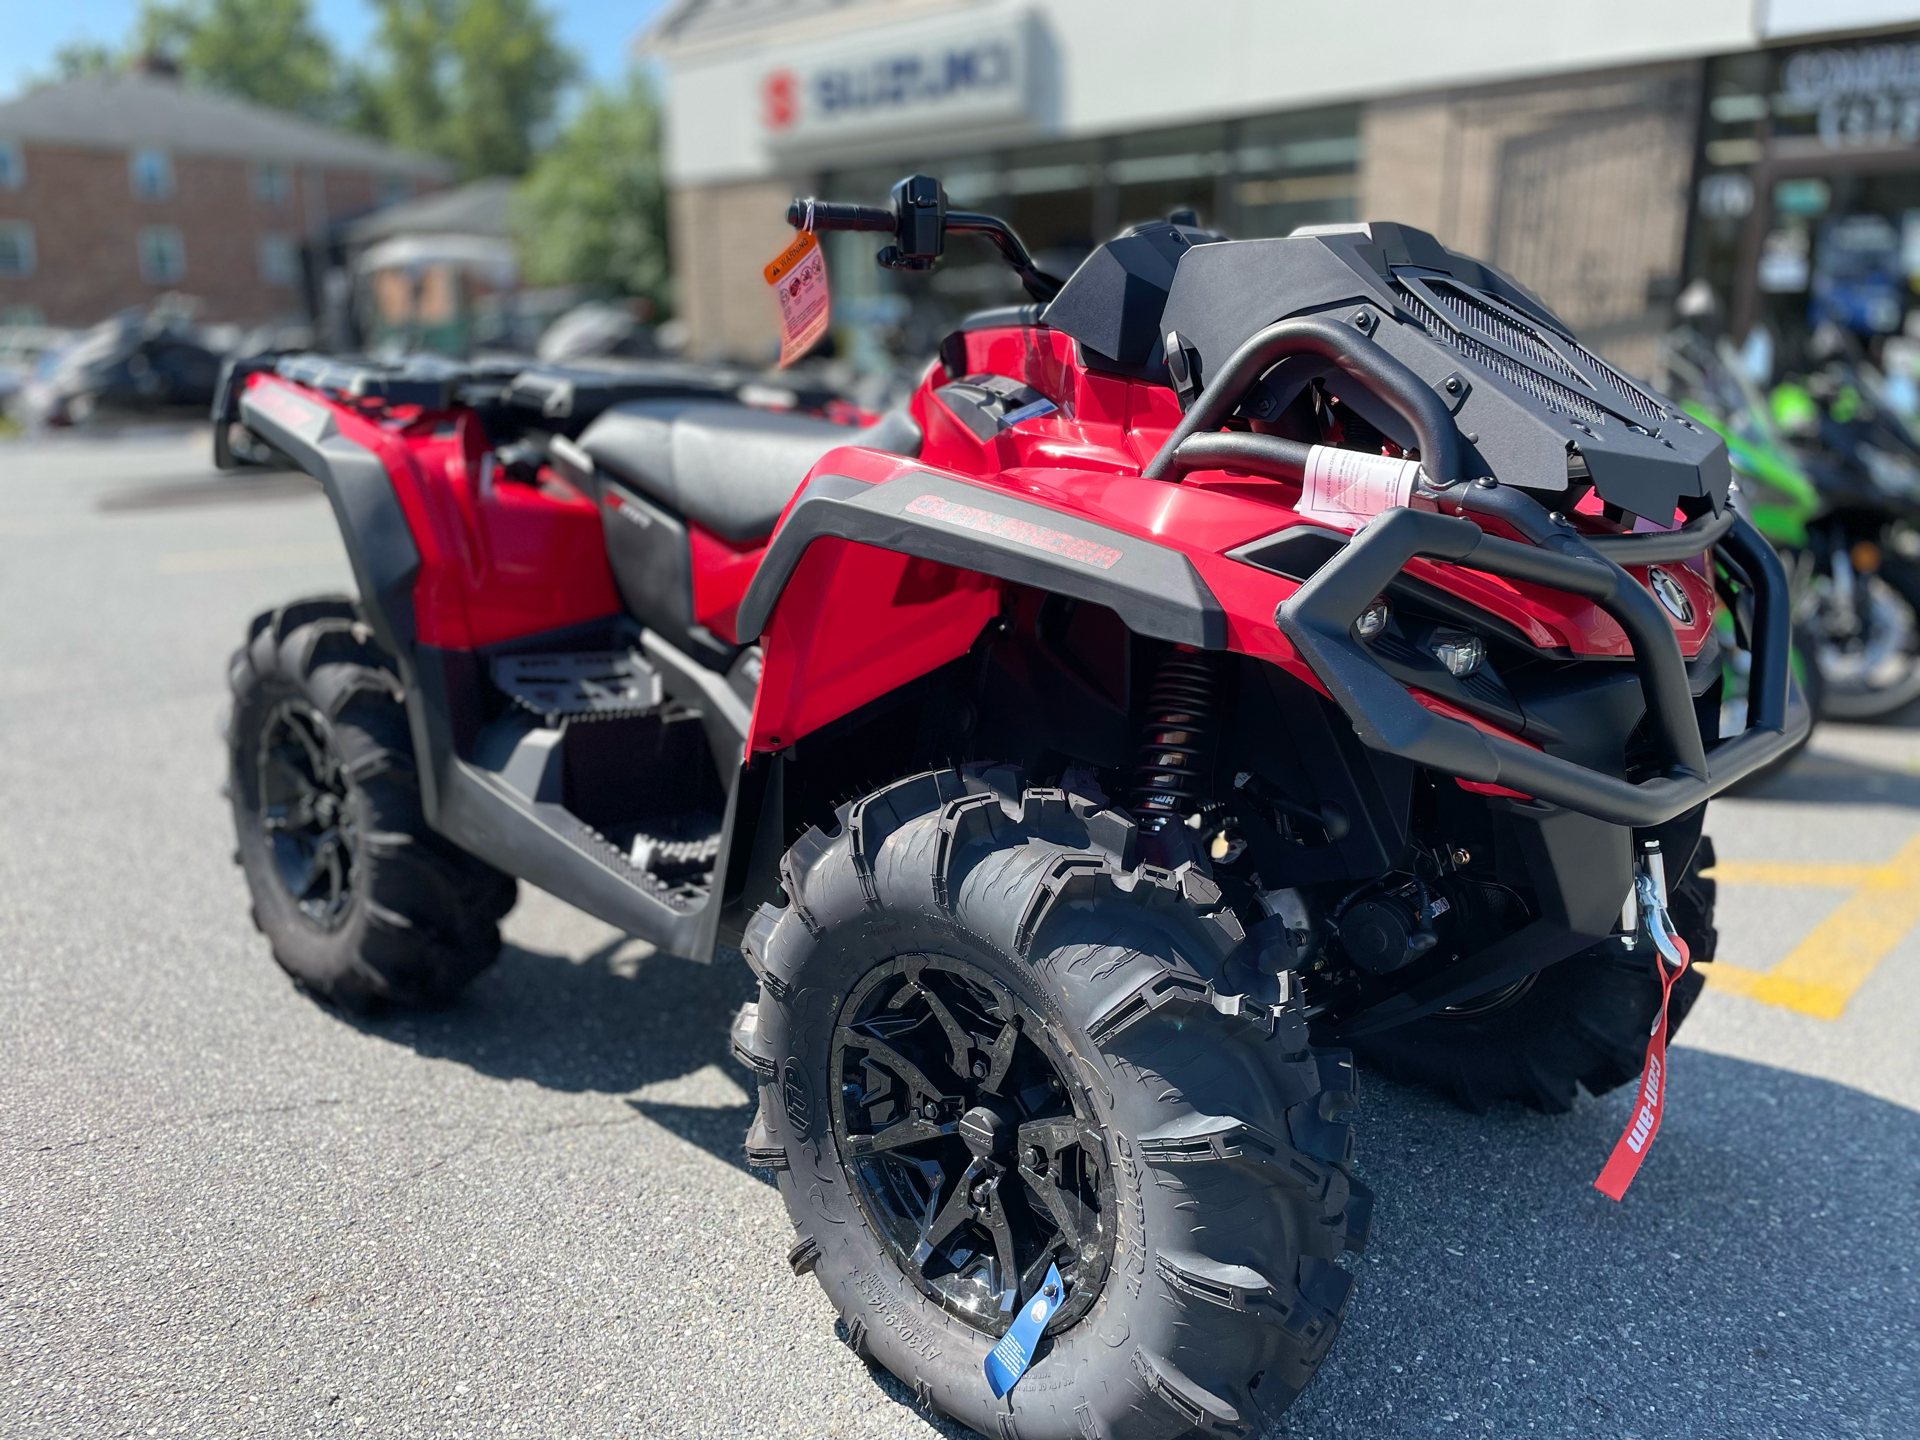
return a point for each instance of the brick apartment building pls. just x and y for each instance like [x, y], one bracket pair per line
[115, 189]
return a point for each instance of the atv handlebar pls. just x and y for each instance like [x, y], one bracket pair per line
[828, 215]
[919, 221]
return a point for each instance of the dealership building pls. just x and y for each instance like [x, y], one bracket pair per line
[1605, 154]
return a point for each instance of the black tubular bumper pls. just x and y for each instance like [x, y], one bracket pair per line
[1319, 620]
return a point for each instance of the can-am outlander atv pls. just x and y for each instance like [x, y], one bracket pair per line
[1079, 803]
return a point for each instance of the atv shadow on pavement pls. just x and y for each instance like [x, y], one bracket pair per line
[1757, 1280]
[617, 1020]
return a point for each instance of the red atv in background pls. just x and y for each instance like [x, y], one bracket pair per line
[1079, 803]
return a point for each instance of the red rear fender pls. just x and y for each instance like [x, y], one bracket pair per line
[499, 558]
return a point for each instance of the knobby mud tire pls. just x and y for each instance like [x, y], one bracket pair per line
[423, 917]
[1583, 1022]
[1230, 1156]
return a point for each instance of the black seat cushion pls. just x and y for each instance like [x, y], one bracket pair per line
[727, 467]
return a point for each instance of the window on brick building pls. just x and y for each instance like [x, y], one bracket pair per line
[163, 255]
[279, 261]
[152, 174]
[273, 183]
[392, 189]
[16, 250]
[13, 165]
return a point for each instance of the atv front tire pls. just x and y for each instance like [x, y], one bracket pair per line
[360, 900]
[1581, 1022]
[988, 1041]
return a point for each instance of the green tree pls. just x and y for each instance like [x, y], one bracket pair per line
[267, 51]
[402, 96]
[477, 81]
[593, 211]
[82, 57]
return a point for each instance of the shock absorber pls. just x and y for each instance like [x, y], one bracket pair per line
[1173, 776]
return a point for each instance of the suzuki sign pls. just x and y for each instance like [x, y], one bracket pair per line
[980, 74]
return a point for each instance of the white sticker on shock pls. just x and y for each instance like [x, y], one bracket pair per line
[1347, 488]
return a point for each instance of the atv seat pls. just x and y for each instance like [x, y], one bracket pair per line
[725, 467]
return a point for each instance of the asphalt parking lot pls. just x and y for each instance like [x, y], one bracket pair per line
[225, 1211]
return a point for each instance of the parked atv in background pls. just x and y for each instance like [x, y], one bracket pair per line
[1079, 799]
[137, 361]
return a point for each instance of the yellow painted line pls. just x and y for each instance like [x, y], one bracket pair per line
[1824, 970]
[252, 557]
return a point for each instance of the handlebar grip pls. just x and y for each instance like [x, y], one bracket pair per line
[829, 216]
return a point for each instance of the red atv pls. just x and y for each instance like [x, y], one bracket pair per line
[1080, 801]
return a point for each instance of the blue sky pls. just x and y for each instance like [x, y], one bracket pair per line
[596, 30]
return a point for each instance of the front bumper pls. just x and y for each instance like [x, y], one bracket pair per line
[1319, 620]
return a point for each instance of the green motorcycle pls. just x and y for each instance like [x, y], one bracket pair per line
[1775, 494]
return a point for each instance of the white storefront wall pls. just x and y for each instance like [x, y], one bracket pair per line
[923, 77]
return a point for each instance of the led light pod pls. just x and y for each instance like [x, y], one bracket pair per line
[1461, 651]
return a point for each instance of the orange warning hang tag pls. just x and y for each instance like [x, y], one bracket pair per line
[798, 275]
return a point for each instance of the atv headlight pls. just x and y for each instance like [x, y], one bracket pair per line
[1461, 651]
[1372, 620]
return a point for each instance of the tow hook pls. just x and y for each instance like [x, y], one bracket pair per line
[1649, 879]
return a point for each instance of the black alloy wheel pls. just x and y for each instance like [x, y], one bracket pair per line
[989, 1038]
[362, 900]
[306, 812]
[965, 1142]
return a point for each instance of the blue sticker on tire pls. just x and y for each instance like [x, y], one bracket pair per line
[1008, 1360]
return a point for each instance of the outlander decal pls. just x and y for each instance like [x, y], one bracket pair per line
[1020, 532]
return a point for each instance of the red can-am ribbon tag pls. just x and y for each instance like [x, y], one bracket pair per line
[1631, 1148]
[798, 275]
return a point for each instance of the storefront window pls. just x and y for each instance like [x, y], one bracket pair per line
[1807, 205]
[1296, 170]
[1166, 170]
[1249, 178]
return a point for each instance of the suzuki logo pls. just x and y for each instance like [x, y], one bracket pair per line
[780, 99]
[1672, 598]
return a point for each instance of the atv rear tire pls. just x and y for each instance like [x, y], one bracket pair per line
[360, 900]
[1582, 1022]
[1207, 1168]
